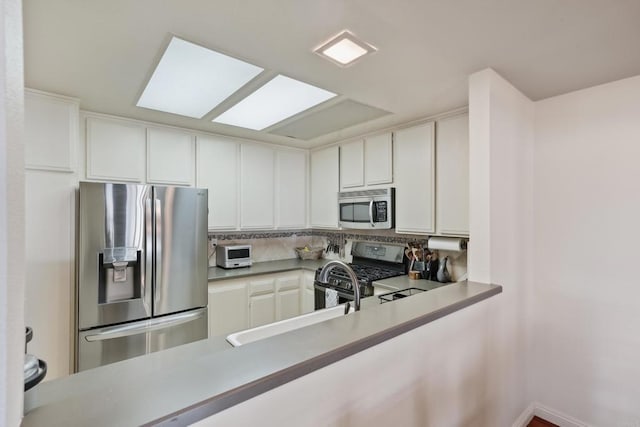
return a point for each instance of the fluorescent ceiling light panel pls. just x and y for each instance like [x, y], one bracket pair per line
[344, 49]
[191, 80]
[278, 99]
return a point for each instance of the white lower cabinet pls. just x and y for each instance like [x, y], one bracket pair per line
[238, 304]
[307, 297]
[288, 296]
[228, 308]
[262, 301]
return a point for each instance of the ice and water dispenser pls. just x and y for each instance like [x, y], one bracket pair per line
[120, 274]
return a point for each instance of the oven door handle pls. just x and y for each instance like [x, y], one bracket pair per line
[371, 213]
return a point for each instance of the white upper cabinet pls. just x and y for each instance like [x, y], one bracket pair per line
[257, 187]
[452, 175]
[291, 189]
[217, 171]
[367, 163]
[51, 131]
[324, 188]
[378, 159]
[352, 164]
[170, 157]
[414, 179]
[115, 150]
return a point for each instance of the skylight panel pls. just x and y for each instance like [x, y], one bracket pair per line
[280, 98]
[191, 80]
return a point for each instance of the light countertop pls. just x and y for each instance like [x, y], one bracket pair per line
[181, 385]
[219, 273]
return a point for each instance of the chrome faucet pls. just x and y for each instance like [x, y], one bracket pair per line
[324, 277]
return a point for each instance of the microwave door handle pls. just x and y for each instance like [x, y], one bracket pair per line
[371, 213]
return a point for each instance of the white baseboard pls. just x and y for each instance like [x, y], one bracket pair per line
[557, 417]
[549, 414]
[525, 417]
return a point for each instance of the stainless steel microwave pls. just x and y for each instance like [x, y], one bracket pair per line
[233, 256]
[367, 209]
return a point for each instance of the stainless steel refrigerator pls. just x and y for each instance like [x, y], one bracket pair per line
[142, 270]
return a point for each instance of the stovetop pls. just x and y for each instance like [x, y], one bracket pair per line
[372, 262]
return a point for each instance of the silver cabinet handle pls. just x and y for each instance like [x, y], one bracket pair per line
[145, 326]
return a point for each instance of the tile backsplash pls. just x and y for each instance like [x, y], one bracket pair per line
[277, 245]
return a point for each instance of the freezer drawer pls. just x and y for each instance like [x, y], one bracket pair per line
[101, 346]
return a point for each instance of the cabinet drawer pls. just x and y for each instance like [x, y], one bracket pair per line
[262, 286]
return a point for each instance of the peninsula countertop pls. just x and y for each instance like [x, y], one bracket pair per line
[181, 385]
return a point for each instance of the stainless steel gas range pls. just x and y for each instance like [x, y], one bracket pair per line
[371, 262]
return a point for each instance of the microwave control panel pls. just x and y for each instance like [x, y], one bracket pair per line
[380, 211]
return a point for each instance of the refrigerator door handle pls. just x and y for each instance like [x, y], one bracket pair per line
[145, 326]
[148, 257]
[157, 268]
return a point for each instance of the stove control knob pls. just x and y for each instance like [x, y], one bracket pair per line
[348, 285]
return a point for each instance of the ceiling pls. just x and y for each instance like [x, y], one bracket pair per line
[104, 52]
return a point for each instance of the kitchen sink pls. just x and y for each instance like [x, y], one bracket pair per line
[271, 329]
[392, 296]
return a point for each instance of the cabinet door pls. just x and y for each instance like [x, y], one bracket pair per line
[217, 171]
[51, 132]
[452, 175]
[288, 304]
[291, 186]
[115, 150]
[170, 157]
[378, 159]
[307, 292]
[227, 307]
[288, 295]
[352, 164]
[257, 183]
[414, 179]
[324, 188]
[262, 310]
[262, 301]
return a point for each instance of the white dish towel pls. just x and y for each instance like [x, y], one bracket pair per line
[330, 298]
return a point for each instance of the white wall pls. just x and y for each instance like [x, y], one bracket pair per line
[501, 129]
[11, 213]
[587, 226]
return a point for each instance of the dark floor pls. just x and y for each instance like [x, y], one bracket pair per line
[539, 422]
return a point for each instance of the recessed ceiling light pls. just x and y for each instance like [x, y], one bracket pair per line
[344, 49]
[278, 99]
[191, 80]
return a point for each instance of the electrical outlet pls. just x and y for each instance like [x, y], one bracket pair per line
[213, 243]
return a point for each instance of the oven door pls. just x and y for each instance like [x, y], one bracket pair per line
[320, 298]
